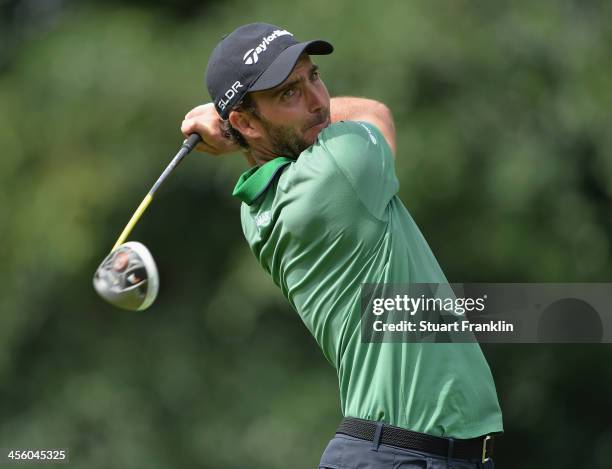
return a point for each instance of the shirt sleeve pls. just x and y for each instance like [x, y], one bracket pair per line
[363, 156]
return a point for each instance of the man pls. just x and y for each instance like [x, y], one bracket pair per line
[321, 215]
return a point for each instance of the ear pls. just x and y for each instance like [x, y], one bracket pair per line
[247, 124]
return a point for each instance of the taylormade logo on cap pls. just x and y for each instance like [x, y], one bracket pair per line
[252, 55]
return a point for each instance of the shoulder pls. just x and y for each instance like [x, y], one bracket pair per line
[345, 144]
[354, 144]
[358, 158]
[351, 134]
[355, 147]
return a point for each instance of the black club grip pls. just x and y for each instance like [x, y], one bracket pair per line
[191, 141]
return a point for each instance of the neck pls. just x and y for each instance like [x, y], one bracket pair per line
[259, 156]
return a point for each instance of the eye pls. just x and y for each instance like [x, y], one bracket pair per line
[289, 93]
[315, 75]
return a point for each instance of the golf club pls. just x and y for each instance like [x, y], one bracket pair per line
[128, 277]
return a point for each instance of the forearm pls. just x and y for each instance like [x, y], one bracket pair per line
[350, 108]
[364, 109]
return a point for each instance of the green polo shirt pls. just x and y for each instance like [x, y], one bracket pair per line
[329, 221]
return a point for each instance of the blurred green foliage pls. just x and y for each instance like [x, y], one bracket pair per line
[503, 118]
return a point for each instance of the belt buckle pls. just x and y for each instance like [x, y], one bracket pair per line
[486, 458]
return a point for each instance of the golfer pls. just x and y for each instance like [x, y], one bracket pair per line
[320, 212]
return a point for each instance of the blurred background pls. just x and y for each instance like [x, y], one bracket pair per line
[505, 141]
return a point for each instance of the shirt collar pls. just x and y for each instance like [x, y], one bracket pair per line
[254, 182]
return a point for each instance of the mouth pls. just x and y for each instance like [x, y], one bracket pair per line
[319, 125]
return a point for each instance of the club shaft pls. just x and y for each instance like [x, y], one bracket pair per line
[187, 146]
[137, 214]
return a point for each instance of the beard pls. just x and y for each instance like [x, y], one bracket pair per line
[286, 141]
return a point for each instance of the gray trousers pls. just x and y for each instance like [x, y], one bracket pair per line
[347, 452]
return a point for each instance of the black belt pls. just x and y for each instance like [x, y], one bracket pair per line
[480, 448]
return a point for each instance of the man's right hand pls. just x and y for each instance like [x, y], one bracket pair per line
[205, 121]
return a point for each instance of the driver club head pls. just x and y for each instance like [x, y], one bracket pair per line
[127, 277]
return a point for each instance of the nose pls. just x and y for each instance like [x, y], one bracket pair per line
[315, 98]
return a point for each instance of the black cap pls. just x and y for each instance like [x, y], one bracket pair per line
[254, 57]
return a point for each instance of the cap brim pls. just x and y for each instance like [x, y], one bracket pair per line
[281, 68]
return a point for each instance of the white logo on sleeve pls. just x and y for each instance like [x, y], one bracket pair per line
[263, 218]
[252, 55]
[372, 137]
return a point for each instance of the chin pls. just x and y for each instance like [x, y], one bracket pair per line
[317, 130]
